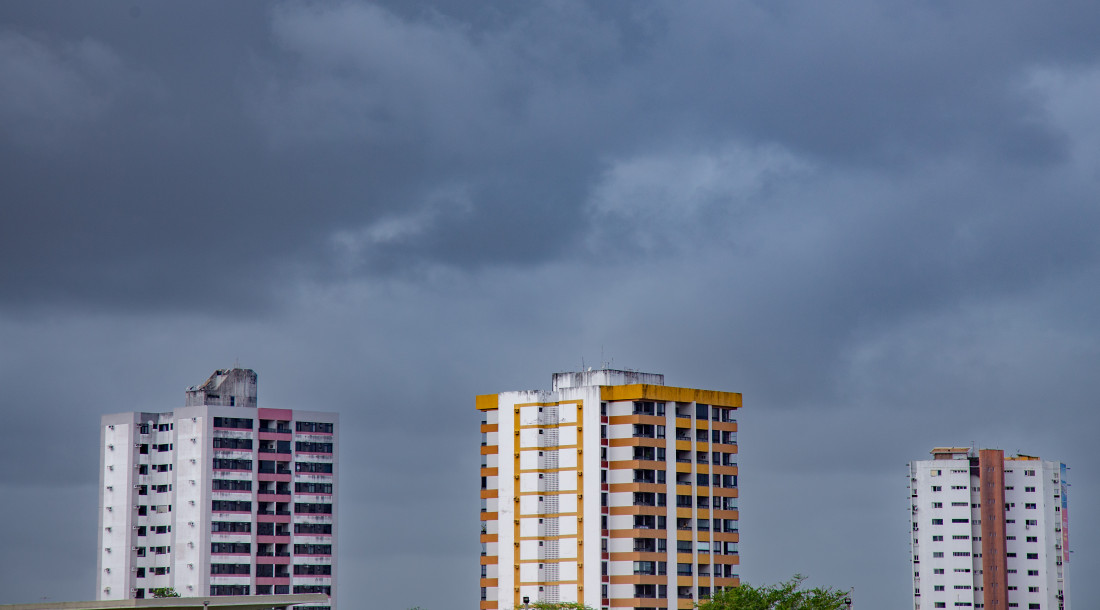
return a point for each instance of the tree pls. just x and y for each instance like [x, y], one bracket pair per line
[164, 592]
[787, 595]
[558, 606]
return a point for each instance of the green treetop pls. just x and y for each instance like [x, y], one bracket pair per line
[787, 595]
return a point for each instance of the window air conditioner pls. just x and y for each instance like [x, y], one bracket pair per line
[137, 444]
[107, 570]
[191, 523]
[133, 548]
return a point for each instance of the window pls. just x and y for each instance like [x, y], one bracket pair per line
[1029, 489]
[937, 554]
[314, 447]
[316, 467]
[937, 488]
[1029, 506]
[961, 554]
[1033, 589]
[960, 520]
[235, 506]
[937, 505]
[1032, 555]
[326, 589]
[312, 508]
[238, 423]
[314, 488]
[309, 426]
[937, 587]
[940, 604]
[960, 537]
[312, 569]
[230, 568]
[239, 527]
[313, 528]
[232, 464]
[937, 522]
[230, 485]
[229, 589]
[1033, 572]
[1029, 473]
[1031, 522]
[1033, 539]
[937, 570]
[959, 503]
[232, 443]
[937, 538]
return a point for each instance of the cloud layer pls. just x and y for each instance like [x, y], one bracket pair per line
[877, 220]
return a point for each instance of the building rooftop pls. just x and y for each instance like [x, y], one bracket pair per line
[605, 376]
[227, 388]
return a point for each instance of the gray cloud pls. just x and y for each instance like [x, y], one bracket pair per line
[874, 219]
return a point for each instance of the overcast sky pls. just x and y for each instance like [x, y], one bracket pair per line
[878, 220]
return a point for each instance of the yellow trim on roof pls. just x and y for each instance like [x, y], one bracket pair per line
[486, 402]
[644, 391]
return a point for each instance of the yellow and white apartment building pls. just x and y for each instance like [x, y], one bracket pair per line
[612, 489]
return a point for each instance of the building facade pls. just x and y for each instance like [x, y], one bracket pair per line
[612, 489]
[989, 531]
[218, 497]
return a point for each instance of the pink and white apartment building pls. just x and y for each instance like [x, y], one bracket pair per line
[219, 497]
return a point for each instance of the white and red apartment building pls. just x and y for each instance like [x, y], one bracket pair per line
[218, 497]
[612, 489]
[989, 531]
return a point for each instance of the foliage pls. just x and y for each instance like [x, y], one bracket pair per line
[164, 592]
[558, 606]
[787, 595]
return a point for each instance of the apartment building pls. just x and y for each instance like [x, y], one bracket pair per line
[611, 489]
[989, 531]
[218, 497]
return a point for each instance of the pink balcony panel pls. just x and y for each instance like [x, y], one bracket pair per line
[273, 559]
[273, 518]
[276, 580]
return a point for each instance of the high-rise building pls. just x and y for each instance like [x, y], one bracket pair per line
[989, 531]
[612, 489]
[218, 497]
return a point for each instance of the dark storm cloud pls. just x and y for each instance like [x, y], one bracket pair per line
[875, 219]
[324, 140]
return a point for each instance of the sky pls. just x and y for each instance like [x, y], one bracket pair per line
[875, 219]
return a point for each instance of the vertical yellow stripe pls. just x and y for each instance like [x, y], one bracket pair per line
[515, 507]
[580, 502]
